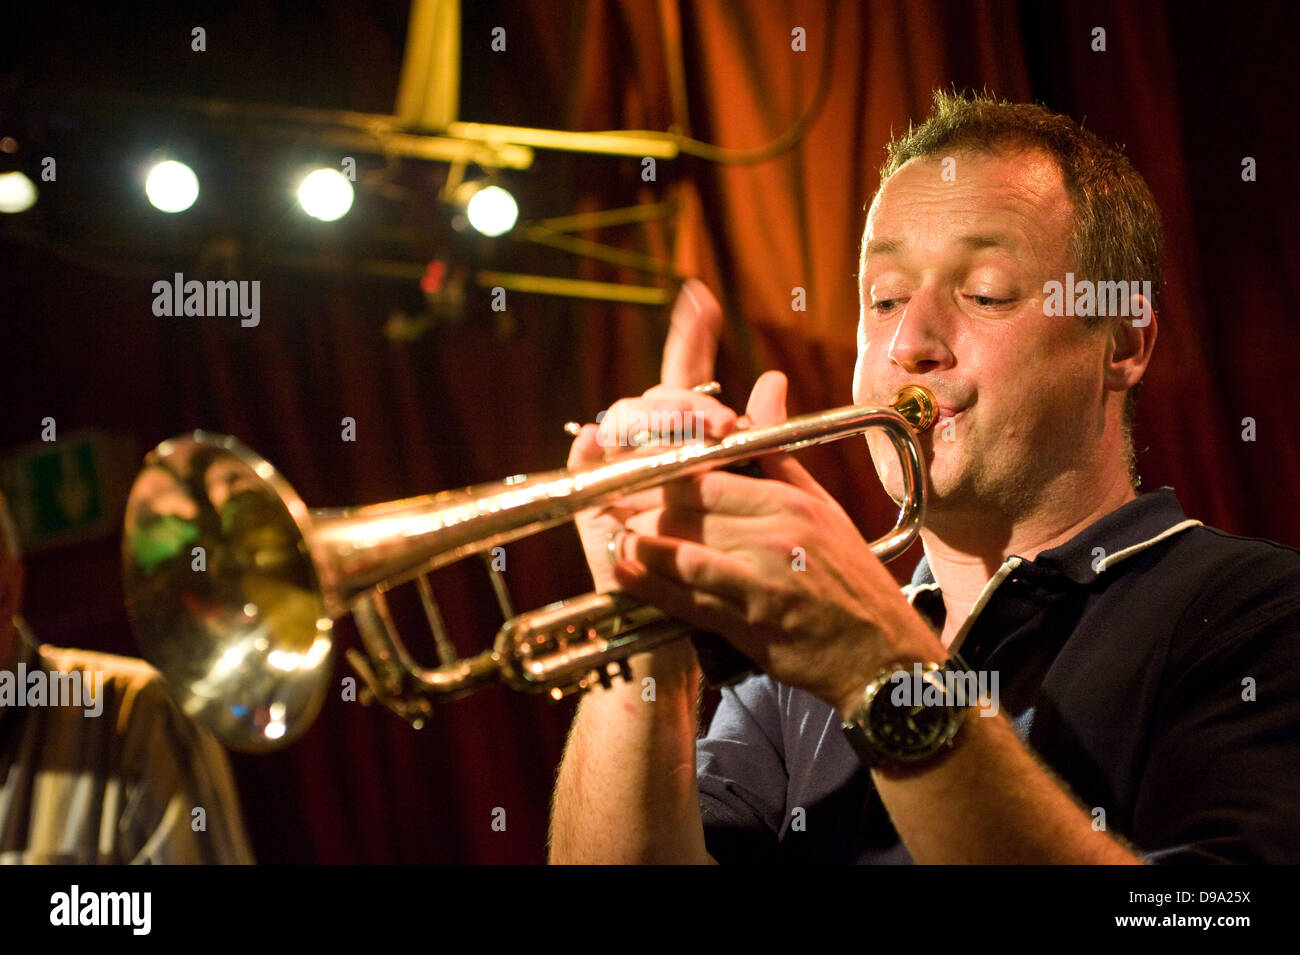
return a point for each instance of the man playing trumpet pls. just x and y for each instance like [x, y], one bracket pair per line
[1143, 710]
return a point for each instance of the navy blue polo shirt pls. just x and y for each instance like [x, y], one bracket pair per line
[1152, 662]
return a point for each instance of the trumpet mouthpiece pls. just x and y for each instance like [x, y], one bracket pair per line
[917, 406]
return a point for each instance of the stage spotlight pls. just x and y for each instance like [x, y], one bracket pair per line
[17, 192]
[172, 186]
[325, 194]
[491, 210]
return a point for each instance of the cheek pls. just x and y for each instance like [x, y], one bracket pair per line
[885, 461]
[1045, 403]
[1010, 368]
[865, 371]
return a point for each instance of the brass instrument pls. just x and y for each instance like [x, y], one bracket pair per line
[233, 584]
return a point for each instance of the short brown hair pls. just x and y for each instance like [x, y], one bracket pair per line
[1116, 231]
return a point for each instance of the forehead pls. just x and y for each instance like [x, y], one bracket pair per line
[1018, 197]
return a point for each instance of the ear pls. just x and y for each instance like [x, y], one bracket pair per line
[1133, 339]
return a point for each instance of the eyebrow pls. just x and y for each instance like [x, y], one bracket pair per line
[882, 247]
[989, 241]
[974, 242]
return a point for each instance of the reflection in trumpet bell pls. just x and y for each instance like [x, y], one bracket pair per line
[223, 595]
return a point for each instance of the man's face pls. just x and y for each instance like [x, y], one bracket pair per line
[951, 289]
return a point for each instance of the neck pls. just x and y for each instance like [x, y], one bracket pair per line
[966, 545]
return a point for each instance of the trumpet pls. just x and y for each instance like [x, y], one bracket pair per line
[233, 585]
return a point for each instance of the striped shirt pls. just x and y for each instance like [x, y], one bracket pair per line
[106, 769]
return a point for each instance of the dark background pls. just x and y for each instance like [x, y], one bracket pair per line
[1188, 88]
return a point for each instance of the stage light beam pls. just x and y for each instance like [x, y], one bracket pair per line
[326, 194]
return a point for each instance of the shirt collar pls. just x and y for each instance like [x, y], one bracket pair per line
[1125, 531]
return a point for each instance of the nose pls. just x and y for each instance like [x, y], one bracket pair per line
[920, 342]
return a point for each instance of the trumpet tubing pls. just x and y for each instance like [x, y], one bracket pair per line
[233, 584]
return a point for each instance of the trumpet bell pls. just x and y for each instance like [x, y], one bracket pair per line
[223, 593]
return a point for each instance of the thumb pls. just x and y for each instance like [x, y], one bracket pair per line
[766, 407]
[767, 400]
[692, 344]
[586, 449]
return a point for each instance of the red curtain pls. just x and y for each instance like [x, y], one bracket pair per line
[1189, 92]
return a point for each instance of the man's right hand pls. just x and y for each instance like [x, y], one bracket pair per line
[688, 359]
[626, 789]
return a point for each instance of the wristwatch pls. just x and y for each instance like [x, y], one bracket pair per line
[910, 712]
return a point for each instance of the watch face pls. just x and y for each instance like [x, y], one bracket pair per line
[909, 730]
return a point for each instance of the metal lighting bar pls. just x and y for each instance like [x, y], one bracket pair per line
[428, 92]
[641, 144]
[604, 218]
[574, 288]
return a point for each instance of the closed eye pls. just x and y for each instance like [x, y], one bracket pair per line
[987, 301]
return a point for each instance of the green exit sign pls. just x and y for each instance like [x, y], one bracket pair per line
[69, 490]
